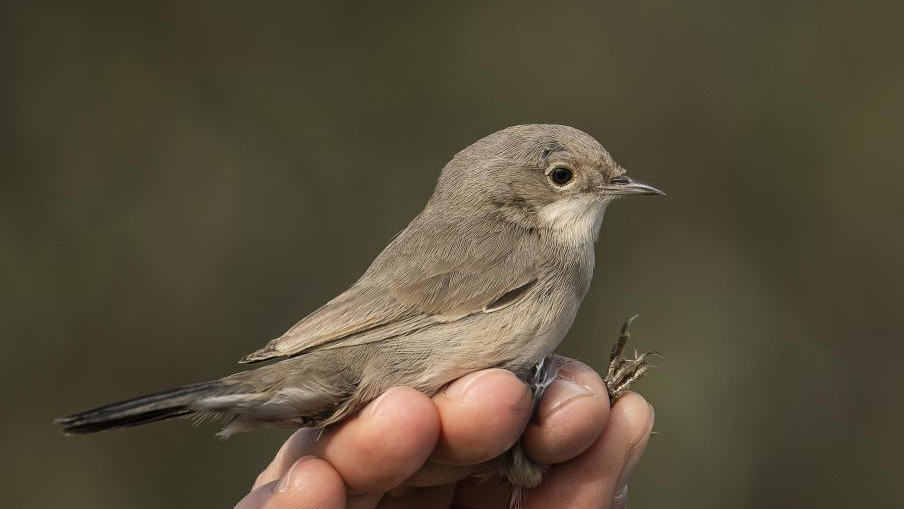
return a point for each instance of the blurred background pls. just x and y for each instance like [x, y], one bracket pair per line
[182, 181]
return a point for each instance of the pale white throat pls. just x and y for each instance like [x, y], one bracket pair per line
[575, 220]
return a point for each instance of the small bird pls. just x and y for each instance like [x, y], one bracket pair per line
[490, 274]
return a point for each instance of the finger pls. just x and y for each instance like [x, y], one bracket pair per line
[310, 441]
[594, 478]
[385, 443]
[309, 483]
[482, 415]
[571, 416]
[301, 443]
[620, 497]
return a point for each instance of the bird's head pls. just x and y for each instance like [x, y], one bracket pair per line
[538, 176]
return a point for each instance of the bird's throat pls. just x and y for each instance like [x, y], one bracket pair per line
[576, 220]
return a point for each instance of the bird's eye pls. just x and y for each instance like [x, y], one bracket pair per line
[620, 180]
[561, 176]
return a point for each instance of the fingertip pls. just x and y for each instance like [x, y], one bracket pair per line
[310, 483]
[571, 416]
[576, 370]
[301, 443]
[635, 418]
[482, 414]
[386, 443]
[598, 476]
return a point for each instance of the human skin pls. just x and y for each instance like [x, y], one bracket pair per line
[405, 450]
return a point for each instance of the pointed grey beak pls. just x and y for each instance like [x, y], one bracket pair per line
[625, 185]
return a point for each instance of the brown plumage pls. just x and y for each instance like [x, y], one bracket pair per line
[490, 274]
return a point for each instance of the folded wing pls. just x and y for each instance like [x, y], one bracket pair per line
[435, 271]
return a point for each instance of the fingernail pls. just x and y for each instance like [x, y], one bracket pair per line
[375, 407]
[460, 388]
[634, 456]
[562, 392]
[286, 480]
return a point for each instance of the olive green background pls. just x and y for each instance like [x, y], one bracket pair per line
[182, 181]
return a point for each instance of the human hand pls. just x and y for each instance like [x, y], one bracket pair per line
[407, 450]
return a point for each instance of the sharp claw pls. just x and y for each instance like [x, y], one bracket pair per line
[622, 373]
[643, 357]
[627, 325]
[622, 338]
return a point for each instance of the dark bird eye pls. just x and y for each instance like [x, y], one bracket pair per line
[620, 180]
[561, 176]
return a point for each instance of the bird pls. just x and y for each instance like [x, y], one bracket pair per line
[490, 273]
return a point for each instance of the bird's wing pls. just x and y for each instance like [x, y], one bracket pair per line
[418, 281]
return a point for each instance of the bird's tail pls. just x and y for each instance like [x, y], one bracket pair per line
[141, 410]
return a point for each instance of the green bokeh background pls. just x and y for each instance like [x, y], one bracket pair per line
[182, 181]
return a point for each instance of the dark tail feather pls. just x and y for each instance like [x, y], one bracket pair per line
[142, 410]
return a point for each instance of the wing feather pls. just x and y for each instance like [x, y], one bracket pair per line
[435, 271]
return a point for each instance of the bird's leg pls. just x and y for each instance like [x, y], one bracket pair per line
[624, 372]
[519, 470]
[540, 377]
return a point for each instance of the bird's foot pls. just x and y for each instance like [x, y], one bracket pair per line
[623, 372]
[521, 473]
[540, 377]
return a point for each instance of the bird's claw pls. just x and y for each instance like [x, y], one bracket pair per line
[624, 372]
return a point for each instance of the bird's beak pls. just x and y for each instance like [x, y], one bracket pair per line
[625, 185]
